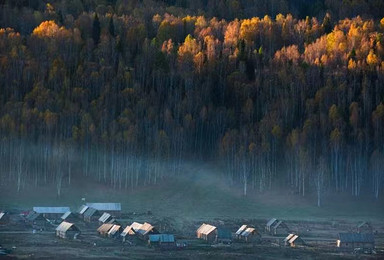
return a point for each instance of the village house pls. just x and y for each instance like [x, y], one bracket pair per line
[364, 227]
[4, 218]
[162, 240]
[104, 229]
[91, 214]
[115, 231]
[145, 230]
[36, 220]
[69, 217]
[207, 232]
[276, 227]
[111, 208]
[247, 234]
[67, 230]
[293, 240]
[105, 218]
[350, 241]
[51, 212]
[128, 231]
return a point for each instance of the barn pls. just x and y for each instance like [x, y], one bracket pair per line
[293, 240]
[4, 218]
[350, 241]
[206, 232]
[104, 229]
[51, 212]
[67, 230]
[111, 208]
[91, 214]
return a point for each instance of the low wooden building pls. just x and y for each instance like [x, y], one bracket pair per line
[104, 229]
[111, 208]
[91, 214]
[105, 218]
[207, 232]
[51, 212]
[145, 230]
[276, 227]
[293, 240]
[67, 230]
[36, 220]
[4, 218]
[115, 231]
[69, 217]
[364, 227]
[127, 232]
[162, 240]
[223, 236]
[248, 234]
[350, 241]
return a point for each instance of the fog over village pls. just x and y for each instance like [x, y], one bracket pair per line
[179, 129]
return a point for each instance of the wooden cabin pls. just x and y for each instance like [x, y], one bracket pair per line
[36, 220]
[350, 241]
[105, 218]
[91, 214]
[115, 231]
[248, 234]
[276, 227]
[162, 240]
[293, 240]
[67, 230]
[127, 232]
[69, 217]
[104, 229]
[206, 232]
[145, 230]
[51, 212]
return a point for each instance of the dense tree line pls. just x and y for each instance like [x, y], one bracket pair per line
[125, 94]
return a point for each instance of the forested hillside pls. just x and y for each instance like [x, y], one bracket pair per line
[124, 91]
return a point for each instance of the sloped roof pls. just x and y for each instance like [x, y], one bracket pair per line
[105, 206]
[90, 212]
[206, 229]
[65, 226]
[105, 217]
[362, 224]
[51, 210]
[32, 216]
[66, 215]
[248, 232]
[114, 229]
[105, 228]
[82, 209]
[2, 214]
[271, 221]
[136, 226]
[145, 229]
[288, 237]
[241, 229]
[295, 237]
[356, 237]
[128, 231]
[280, 223]
[163, 238]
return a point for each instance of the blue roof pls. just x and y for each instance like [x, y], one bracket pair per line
[164, 238]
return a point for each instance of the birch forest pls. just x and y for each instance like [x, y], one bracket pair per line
[123, 92]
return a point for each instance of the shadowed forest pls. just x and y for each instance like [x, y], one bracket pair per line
[280, 94]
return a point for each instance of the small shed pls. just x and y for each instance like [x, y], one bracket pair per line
[4, 218]
[206, 232]
[145, 230]
[112, 208]
[128, 231]
[51, 212]
[276, 227]
[69, 217]
[350, 241]
[223, 236]
[67, 230]
[91, 214]
[364, 227]
[240, 230]
[36, 220]
[162, 240]
[105, 218]
[104, 229]
[250, 235]
[115, 231]
[82, 210]
[293, 240]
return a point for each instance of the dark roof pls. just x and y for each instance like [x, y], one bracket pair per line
[356, 237]
[271, 221]
[32, 216]
[90, 212]
[67, 215]
[223, 233]
[163, 238]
